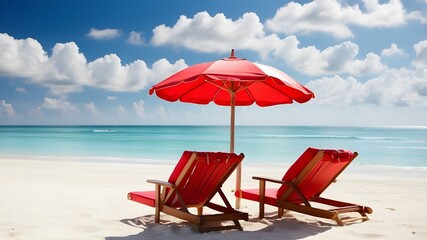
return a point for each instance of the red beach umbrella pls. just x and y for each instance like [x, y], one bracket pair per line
[232, 82]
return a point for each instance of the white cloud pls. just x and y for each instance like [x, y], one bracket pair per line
[370, 65]
[109, 73]
[162, 69]
[210, 37]
[107, 33]
[21, 57]
[20, 90]
[335, 17]
[393, 50]
[336, 90]
[211, 34]
[58, 104]
[6, 109]
[421, 55]
[392, 88]
[332, 60]
[67, 69]
[123, 113]
[91, 108]
[139, 108]
[135, 38]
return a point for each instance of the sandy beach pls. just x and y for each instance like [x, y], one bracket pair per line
[52, 199]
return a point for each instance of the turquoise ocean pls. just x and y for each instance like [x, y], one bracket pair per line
[392, 146]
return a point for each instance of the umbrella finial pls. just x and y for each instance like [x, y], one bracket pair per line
[232, 54]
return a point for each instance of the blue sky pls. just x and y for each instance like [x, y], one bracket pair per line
[92, 62]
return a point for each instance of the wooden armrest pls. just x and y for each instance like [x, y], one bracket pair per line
[292, 185]
[262, 183]
[270, 180]
[162, 183]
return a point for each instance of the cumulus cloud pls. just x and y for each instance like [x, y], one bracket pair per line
[135, 38]
[64, 71]
[341, 58]
[211, 34]
[109, 73]
[6, 109]
[21, 57]
[211, 37]
[67, 69]
[336, 90]
[107, 33]
[91, 108]
[393, 50]
[421, 55]
[58, 104]
[139, 108]
[335, 17]
[394, 87]
[162, 69]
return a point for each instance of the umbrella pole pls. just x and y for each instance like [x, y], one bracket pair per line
[239, 167]
[232, 122]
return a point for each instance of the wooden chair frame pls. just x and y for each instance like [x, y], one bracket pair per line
[165, 191]
[227, 212]
[305, 206]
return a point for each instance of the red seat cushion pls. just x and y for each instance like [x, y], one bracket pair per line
[146, 197]
[253, 195]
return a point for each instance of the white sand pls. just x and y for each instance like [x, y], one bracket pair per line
[81, 200]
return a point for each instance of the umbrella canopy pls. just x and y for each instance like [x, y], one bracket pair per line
[232, 82]
[217, 81]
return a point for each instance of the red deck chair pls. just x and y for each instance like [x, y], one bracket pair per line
[302, 185]
[197, 177]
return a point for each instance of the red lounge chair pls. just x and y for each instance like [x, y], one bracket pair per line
[302, 185]
[197, 177]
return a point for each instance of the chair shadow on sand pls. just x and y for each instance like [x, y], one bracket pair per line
[270, 227]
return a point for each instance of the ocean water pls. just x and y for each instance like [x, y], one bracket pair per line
[261, 144]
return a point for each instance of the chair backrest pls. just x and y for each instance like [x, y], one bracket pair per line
[313, 172]
[199, 175]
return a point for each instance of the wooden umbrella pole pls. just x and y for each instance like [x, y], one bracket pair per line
[232, 125]
[232, 121]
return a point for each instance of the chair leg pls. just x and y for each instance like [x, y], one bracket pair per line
[237, 224]
[157, 205]
[364, 216]
[261, 199]
[280, 212]
[339, 221]
[157, 216]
